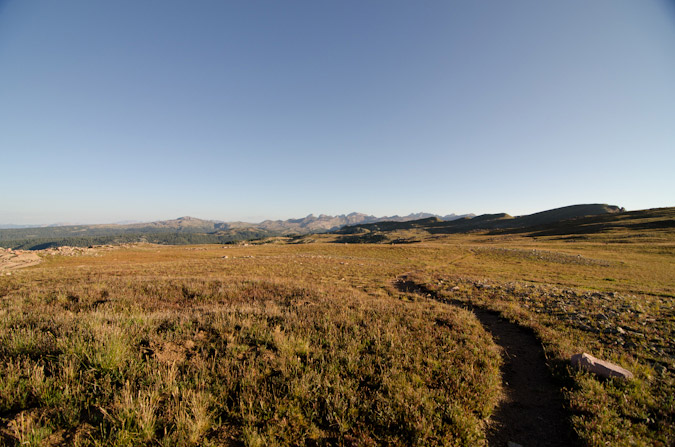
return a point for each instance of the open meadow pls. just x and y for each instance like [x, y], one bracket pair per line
[287, 343]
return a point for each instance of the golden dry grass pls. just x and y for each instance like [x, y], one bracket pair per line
[309, 344]
[269, 346]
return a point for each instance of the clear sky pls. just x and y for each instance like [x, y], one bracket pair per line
[149, 109]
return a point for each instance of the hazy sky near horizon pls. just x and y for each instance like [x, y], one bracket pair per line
[246, 110]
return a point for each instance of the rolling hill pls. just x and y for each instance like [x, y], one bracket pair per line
[575, 221]
[487, 221]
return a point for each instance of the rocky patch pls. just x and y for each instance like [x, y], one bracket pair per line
[541, 256]
[16, 259]
[79, 251]
[635, 324]
[602, 368]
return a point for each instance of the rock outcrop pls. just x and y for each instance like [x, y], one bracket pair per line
[16, 259]
[599, 367]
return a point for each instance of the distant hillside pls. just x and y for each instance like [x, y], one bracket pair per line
[354, 227]
[564, 213]
[183, 224]
[184, 230]
[14, 226]
[493, 222]
[323, 223]
[625, 223]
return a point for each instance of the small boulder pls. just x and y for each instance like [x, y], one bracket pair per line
[599, 367]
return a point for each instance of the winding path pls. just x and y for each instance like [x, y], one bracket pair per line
[531, 412]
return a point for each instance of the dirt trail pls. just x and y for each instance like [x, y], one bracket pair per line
[532, 412]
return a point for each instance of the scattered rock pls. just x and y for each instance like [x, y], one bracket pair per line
[16, 259]
[543, 255]
[599, 367]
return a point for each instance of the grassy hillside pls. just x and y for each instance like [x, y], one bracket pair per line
[629, 224]
[549, 223]
[564, 213]
[483, 222]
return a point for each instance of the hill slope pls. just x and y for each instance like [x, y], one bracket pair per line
[488, 221]
[570, 220]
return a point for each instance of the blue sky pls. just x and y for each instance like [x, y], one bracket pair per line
[249, 110]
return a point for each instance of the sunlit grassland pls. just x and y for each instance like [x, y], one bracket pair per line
[310, 344]
[270, 346]
[612, 297]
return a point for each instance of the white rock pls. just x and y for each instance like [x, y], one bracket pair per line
[599, 367]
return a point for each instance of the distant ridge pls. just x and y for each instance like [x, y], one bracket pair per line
[185, 230]
[15, 226]
[353, 227]
[487, 221]
[567, 212]
[313, 224]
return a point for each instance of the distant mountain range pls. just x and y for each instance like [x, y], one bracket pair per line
[185, 230]
[324, 223]
[309, 224]
[190, 230]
